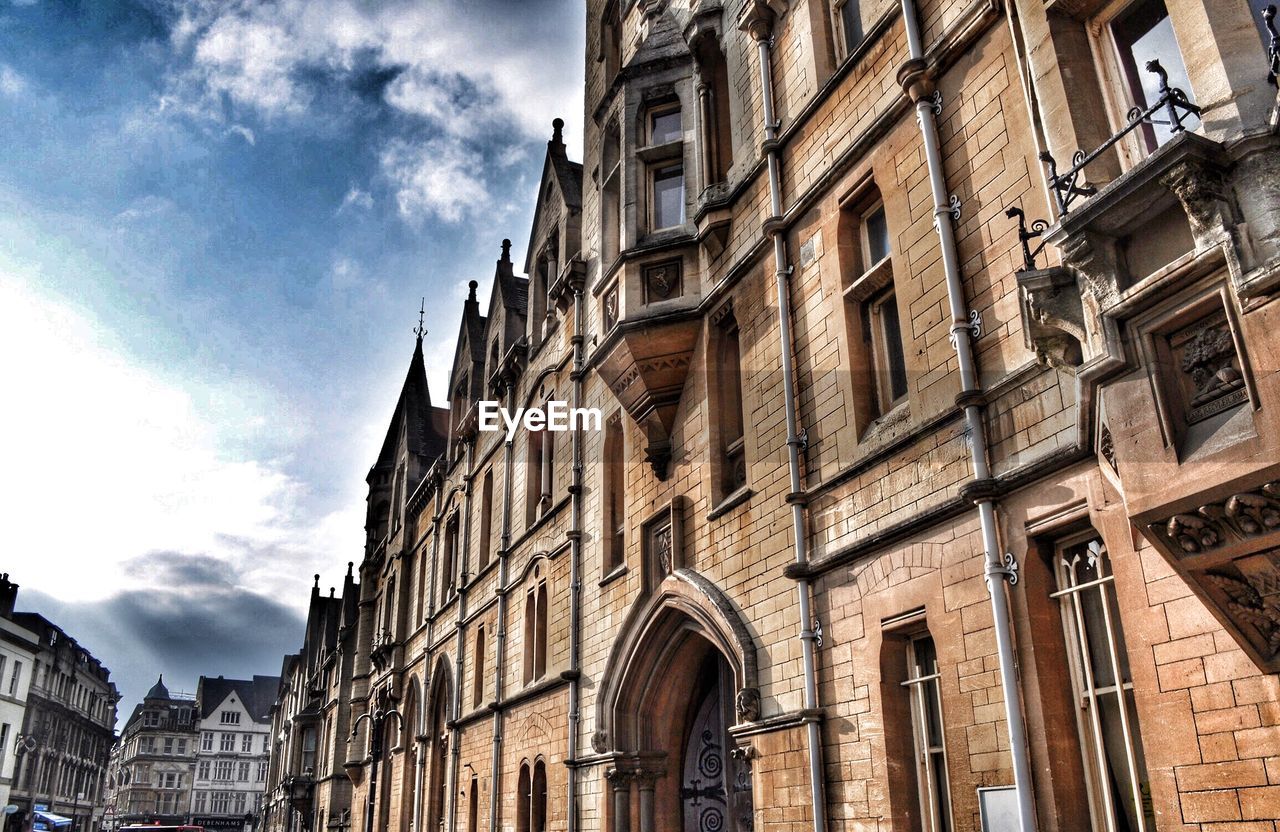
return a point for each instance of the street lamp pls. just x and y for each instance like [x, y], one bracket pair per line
[377, 722]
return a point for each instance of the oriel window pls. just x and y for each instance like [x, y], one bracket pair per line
[668, 196]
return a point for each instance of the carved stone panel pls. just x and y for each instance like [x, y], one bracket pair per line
[662, 281]
[662, 539]
[1207, 368]
[1229, 550]
[610, 308]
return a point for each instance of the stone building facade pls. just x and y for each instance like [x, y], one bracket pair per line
[307, 784]
[937, 481]
[154, 764]
[18, 647]
[67, 729]
[231, 759]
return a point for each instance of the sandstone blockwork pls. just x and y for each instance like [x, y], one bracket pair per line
[602, 629]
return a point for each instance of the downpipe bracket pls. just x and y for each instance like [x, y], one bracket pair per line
[1006, 568]
[973, 326]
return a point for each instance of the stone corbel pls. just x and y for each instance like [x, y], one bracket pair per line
[758, 16]
[1053, 312]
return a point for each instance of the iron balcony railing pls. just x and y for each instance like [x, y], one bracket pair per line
[1273, 49]
[1173, 102]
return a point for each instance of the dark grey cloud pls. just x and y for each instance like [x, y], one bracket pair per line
[193, 620]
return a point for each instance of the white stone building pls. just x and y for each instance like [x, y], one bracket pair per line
[232, 751]
[18, 647]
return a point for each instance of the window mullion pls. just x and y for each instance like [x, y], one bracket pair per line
[1095, 717]
[1122, 703]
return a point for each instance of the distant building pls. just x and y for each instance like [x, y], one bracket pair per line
[155, 762]
[18, 647]
[67, 727]
[307, 784]
[233, 752]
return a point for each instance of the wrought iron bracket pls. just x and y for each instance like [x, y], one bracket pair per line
[952, 207]
[1273, 49]
[973, 326]
[1026, 235]
[1177, 108]
[935, 102]
[817, 632]
[1007, 569]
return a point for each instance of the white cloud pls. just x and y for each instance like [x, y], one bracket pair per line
[355, 198]
[464, 70]
[107, 459]
[11, 83]
[436, 178]
[243, 132]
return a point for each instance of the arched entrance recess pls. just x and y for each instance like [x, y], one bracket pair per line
[441, 704]
[681, 674]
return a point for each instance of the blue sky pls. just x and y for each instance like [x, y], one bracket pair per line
[217, 220]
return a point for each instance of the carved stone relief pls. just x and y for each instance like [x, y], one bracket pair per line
[1231, 550]
[1210, 378]
[662, 281]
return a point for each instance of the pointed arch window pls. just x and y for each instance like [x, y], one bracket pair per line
[535, 629]
[473, 805]
[531, 798]
[611, 40]
[715, 120]
[486, 520]
[726, 384]
[539, 472]
[615, 496]
[1107, 715]
[477, 673]
[449, 559]
[611, 194]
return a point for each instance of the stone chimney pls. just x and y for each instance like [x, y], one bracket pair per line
[8, 596]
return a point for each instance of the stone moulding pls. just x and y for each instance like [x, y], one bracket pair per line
[1229, 552]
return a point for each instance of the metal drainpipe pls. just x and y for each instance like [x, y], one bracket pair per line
[501, 641]
[575, 563]
[461, 644]
[997, 570]
[775, 228]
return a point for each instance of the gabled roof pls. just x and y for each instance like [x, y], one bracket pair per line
[568, 178]
[256, 694]
[413, 415]
[512, 288]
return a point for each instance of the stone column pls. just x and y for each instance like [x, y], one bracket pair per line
[621, 782]
[645, 780]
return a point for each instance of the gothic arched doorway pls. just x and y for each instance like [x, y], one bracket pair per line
[438, 748]
[682, 674]
[410, 770]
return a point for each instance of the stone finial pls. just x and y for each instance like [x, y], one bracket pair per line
[557, 131]
[472, 286]
[506, 251]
